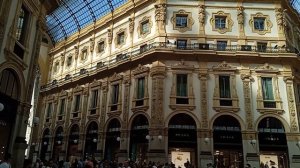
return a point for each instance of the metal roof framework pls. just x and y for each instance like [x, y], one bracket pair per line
[73, 15]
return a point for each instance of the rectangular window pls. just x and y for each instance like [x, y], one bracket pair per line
[84, 54]
[181, 89]
[114, 97]
[56, 66]
[224, 88]
[49, 112]
[77, 103]
[181, 44]
[69, 61]
[22, 24]
[140, 91]
[145, 27]
[94, 99]
[259, 23]
[101, 46]
[181, 20]
[121, 38]
[62, 106]
[143, 48]
[115, 94]
[267, 89]
[221, 45]
[220, 22]
[261, 47]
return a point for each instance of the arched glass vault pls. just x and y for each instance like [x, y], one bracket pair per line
[73, 15]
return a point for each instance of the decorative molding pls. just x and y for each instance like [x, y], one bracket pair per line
[160, 16]
[141, 69]
[190, 21]
[140, 72]
[247, 79]
[203, 76]
[240, 15]
[224, 66]
[139, 28]
[115, 77]
[266, 68]
[267, 26]
[229, 22]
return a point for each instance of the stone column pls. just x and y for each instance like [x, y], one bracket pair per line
[250, 148]
[84, 114]
[157, 150]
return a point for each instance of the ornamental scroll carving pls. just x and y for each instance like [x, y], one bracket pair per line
[203, 83]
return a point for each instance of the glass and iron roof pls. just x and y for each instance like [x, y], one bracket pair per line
[73, 15]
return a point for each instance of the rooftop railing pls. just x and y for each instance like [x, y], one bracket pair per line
[139, 52]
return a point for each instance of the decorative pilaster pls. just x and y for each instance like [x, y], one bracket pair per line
[101, 133]
[126, 82]
[247, 79]
[240, 18]
[203, 76]
[158, 73]
[280, 21]
[291, 103]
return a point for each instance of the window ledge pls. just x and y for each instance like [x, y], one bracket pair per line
[60, 122]
[270, 110]
[93, 116]
[139, 109]
[182, 107]
[74, 120]
[11, 55]
[115, 113]
[226, 109]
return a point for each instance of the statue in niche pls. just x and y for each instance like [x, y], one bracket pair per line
[160, 12]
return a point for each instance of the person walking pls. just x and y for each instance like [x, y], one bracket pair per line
[6, 161]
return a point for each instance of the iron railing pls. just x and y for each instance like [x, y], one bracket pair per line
[139, 52]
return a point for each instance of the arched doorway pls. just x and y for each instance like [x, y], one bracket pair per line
[112, 144]
[182, 140]
[45, 143]
[272, 143]
[138, 141]
[57, 144]
[228, 146]
[73, 141]
[9, 95]
[91, 139]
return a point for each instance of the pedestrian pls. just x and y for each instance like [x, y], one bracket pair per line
[6, 161]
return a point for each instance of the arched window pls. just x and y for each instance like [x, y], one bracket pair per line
[9, 83]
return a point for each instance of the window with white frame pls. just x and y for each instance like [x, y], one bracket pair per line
[101, 46]
[182, 89]
[145, 27]
[181, 20]
[94, 101]
[49, 111]
[114, 97]
[267, 92]
[61, 108]
[224, 88]
[121, 38]
[220, 22]
[140, 91]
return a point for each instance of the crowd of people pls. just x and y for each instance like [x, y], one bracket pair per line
[93, 163]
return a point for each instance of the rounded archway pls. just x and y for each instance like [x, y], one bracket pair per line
[112, 140]
[73, 141]
[272, 143]
[91, 139]
[57, 144]
[9, 98]
[45, 143]
[138, 142]
[182, 140]
[228, 146]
